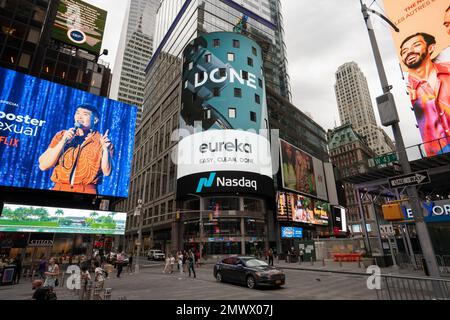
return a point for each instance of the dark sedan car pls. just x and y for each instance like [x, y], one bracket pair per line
[249, 271]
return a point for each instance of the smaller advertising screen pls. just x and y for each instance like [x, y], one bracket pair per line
[19, 218]
[340, 219]
[291, 233]
[301, 172]
[54, 137]
[298, 208]
[80, 24]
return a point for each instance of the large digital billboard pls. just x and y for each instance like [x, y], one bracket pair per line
[302, 172]
[80, 24]
[224, 145]
[19, 218]
[53, 137]
[298, 208]
[423, 45]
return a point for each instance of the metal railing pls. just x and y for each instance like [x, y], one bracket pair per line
[417, 151]
[413, 288]
[404, 262]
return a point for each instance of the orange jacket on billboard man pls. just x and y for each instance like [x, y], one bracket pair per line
[80, 155]
[424, 49]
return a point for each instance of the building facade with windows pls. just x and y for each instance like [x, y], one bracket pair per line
[355, 107]
[350, 153]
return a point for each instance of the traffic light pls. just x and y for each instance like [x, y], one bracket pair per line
[177, 215]
[210, 217]
[393, 212]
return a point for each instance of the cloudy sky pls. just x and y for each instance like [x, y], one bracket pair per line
[320, 36]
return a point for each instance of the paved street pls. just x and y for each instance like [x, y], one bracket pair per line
[152, 284]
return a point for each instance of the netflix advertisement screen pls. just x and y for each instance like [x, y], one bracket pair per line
[53, 137]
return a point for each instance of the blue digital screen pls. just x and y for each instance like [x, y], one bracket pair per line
[291, 232]
[53, 137]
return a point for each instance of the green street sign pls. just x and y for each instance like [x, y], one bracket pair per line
[386, 159]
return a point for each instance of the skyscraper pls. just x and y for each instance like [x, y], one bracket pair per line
[355, 107]
[129, 77]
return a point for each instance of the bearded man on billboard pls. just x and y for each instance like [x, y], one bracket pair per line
[429, 90]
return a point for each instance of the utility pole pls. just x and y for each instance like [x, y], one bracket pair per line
[422, 231]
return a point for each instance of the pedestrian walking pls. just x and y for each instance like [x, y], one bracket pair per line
[180, 262]
[191, 261]
[172, 263]
[270, 254]
[99, 280]
[167, 266]
[42, 267]
[185, 261]
[52, 273]
[197, 258]
[42, 293]
[119, 263]
[130, 263]
[85, 278]
[18, 263]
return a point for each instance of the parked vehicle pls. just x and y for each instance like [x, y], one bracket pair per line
[156, 255]
[249, 271]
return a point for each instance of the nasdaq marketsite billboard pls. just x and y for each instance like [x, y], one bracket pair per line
[54, 137]
[224, 145]
[423, 47]
[20, 218]
[80, 24]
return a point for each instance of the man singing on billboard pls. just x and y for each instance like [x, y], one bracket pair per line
[429, 90]
[81, 155]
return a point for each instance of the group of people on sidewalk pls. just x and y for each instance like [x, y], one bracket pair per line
[186, 262]
[49, 274]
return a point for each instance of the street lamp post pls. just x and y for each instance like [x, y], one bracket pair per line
[422, 231]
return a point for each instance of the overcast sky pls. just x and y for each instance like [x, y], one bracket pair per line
[320, 36]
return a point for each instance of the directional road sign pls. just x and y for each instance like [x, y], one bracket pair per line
[412, 179]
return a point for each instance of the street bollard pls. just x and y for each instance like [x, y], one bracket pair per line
[323, 262]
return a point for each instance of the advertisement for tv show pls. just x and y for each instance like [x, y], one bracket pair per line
[423, 45]
[80, 24]
[53, 137]
[19, 218]
[224, 120]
